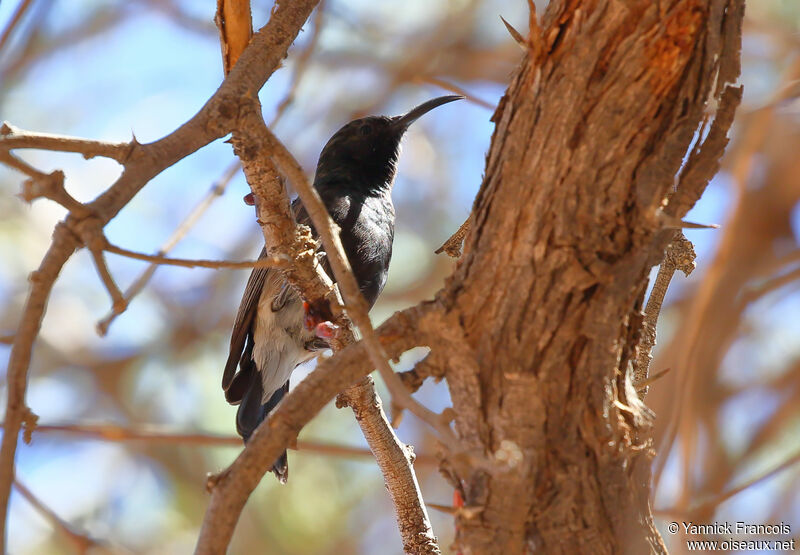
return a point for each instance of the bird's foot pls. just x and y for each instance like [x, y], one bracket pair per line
[310, 316]
[322, 328]
[326, 330]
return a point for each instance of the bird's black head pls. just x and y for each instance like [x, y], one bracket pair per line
[363, 154]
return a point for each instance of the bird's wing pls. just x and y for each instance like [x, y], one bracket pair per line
[242, 336]
[244, 320]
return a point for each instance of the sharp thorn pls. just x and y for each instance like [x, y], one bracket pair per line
[671, 222]
[692, 225]
[518, 38]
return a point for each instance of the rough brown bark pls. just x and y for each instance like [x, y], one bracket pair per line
[590, 136]
[538, 328]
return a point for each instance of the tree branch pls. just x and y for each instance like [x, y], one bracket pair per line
[141, 163]
[232, 488]
[197, 263]
[117, 300]
[254, 145]
[159, 435]
[395, 459]
[216, 191]
[14, 137]
[283, 237]
[79, 540]
[453, 88]
[16, 17]
[357, 308]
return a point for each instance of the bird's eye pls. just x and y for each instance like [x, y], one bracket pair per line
[365, 129]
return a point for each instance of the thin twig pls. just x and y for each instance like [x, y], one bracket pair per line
[756, 292]
[301, 65]
[457, 90]
[79, 540]
[14, 137]
[197, 263]
[640, 386]
[216, 191]
[710, 505]
[14, 21]
[37, 45]
[117, 300]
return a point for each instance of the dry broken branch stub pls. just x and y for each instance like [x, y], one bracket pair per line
[216, 190]
[453, 245]
[43, 185]
[14, 137]
[679, 256]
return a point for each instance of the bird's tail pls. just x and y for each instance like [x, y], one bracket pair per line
[252, 412]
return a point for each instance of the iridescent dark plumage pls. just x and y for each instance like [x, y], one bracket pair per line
[354, 177]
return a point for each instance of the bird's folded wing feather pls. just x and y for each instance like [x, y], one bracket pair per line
[244, 320]
[243, 326]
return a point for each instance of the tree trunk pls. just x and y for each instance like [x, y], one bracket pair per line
[568, 222]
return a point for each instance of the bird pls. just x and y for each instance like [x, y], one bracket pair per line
[275, 330]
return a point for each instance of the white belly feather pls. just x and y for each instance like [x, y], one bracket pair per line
[279, 341]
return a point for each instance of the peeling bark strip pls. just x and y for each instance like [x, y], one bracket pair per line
[590, 136]
[235, 25]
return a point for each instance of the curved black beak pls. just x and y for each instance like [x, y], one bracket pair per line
[402, 122]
